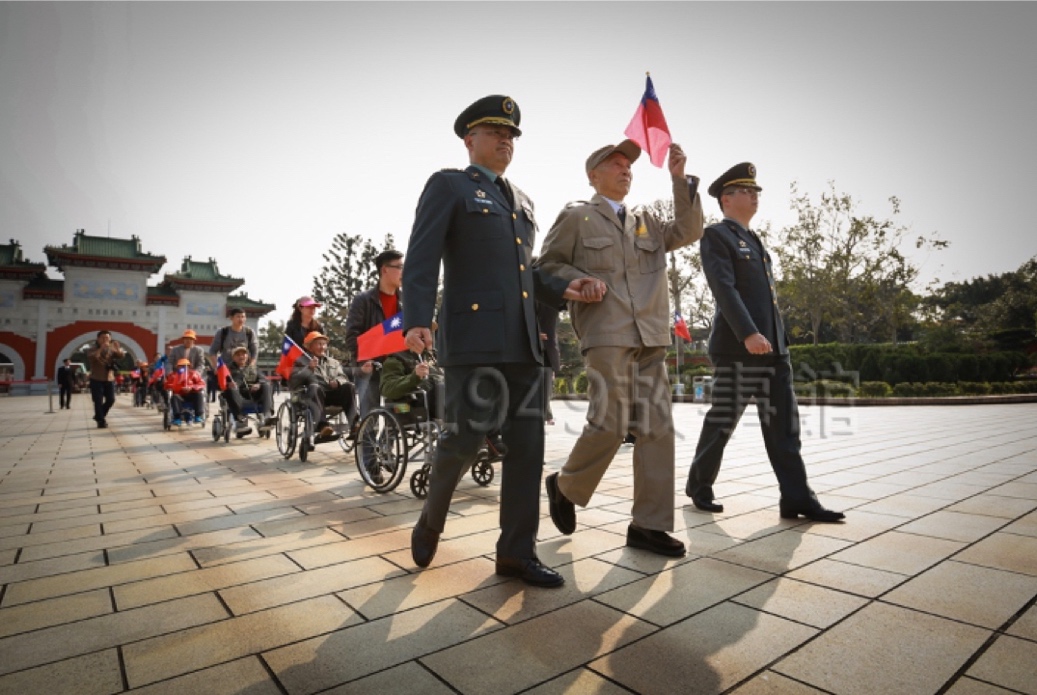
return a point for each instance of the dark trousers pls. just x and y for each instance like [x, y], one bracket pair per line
[480, 399]
[317, 398]
[735, 381]
[64, 396]
[103, 394]
[237, 397]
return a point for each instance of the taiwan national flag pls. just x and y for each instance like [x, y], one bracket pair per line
[290, 352]
[681, 328]
[648, 127]
[222, 373]
[158, 371]
[384, 339]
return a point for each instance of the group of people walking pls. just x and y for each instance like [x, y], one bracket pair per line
[475, 230]
[609, 264]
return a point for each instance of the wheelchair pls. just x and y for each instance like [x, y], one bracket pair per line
[392, 435]
[482, 470]
[179, 407]
[295, 426]
[223, 423]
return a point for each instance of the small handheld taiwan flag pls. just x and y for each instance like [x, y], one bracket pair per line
[384, 338]
[648, 126]
[290, 351]
[222, 373]
[681, 328]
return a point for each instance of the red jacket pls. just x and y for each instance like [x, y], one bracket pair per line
[183, 383]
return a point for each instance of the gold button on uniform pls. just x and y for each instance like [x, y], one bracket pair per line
[485, 211]
[518, 240]
[514, 216]
[525, 295]
[522, 266]
[475, 307]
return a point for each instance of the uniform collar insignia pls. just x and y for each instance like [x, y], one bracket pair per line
[480, 193]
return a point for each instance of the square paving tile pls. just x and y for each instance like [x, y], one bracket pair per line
[526, 654]
[970, 593]
[705, 654]
[995, 505]
[1026, 625]
[854, 579]
[1004, 551]
[954, 526]
[1009, 662]
[879, 650]
[675, 594]
[802, 602]
[771, 683]
[899, 552]
[783, 551]
[317, 664]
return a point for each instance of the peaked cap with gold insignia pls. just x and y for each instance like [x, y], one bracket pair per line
[495, 109]
[743, 175]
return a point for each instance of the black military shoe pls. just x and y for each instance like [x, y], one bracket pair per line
[658, 542]
[707, 505]
[423, 544]
[811, 510]
[531, 571]
[563, 511]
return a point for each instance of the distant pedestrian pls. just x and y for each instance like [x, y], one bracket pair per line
[102, 359]
[66, 379]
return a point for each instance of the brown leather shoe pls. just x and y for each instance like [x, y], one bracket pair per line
[423, 544]
[658, 542]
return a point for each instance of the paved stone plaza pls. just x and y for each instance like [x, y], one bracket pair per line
[135, 559]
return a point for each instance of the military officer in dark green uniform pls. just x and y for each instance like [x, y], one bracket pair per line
[750, 354]
[481, 228]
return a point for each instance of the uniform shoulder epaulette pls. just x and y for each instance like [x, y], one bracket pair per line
[576, 203]
[451, 170]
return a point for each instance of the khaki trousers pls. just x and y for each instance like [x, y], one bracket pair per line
[629, 391]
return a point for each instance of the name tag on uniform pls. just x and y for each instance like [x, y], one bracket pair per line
[744, 253]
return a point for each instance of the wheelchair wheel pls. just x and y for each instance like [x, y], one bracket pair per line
[286, 429]
[482, 469]
[419, 482]
[381, 451]
[217, 428]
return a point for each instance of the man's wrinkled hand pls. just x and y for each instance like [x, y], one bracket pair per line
[418, 339]
[586, 290]
[756, 344]
[421, 370]
[677, 161]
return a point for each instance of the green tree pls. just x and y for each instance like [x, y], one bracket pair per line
[982, 309]
[846, 270]
[270, 337]
[348, 269]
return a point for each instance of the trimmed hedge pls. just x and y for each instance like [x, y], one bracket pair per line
[896, 364]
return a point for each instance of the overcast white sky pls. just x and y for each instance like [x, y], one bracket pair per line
[256, 132]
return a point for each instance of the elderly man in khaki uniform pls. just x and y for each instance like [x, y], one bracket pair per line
[623, 339]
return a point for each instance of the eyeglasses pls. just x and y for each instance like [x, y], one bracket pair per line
[396, 266]
[499, 133]
[748, 191]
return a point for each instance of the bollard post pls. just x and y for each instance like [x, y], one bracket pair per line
[50, 399]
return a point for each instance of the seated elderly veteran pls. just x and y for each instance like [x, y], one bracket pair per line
[325, 383]
[404, 373]
[189, 386]
[251, 388]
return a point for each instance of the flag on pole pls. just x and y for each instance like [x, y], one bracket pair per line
[158, 370]
[648, 126]
[681, 328]
[384, 338]
[222, 373]
[290, 351]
